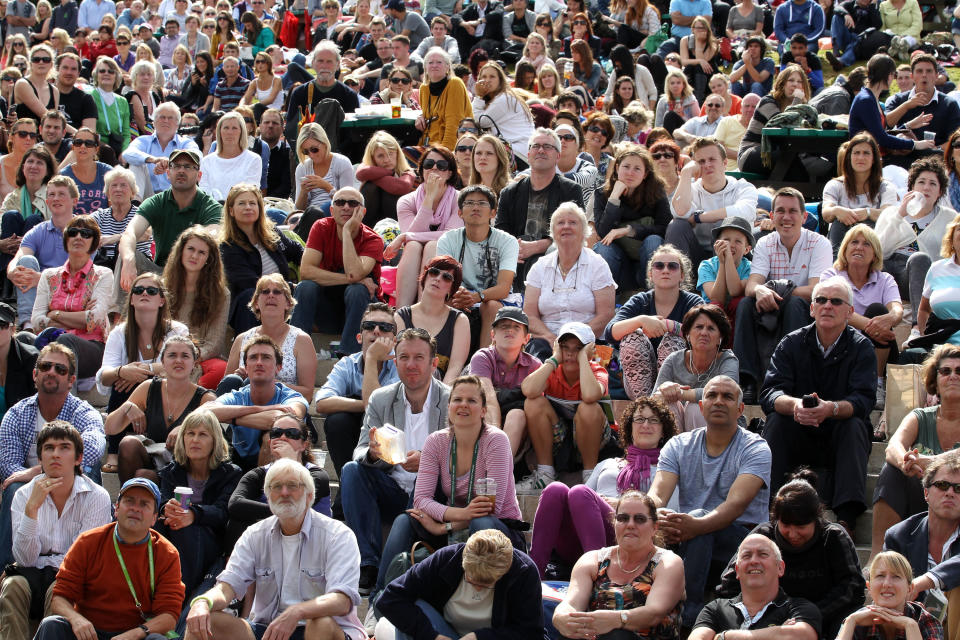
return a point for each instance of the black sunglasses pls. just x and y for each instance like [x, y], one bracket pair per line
[343, 202]
[568, 137]
[401, 80]
[120, 43]
[947, 371]
[441, 165]
[463, 148]
[385, 327]
[291, 433]
[73, 232]
[834, 301]
[26, 134]
[669, 266]
[943, 485]
[41, 60]
[139, 290]
[90, 144]
[248, 119]
[596, 129]
[662, 155]
[44, 366]
[579, 22]
[638, 518]
[434, 272]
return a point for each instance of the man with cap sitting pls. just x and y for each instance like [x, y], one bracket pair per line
[120, 580]
[502, 367]
[723, 278]
[563, 408]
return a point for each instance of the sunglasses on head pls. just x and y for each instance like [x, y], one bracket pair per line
[385, 327]
[41, 59]
[139, 290]
[463, 148]
[344, 202]
[26, 134]
[663, 154]
[434, 272]
[638, 518]
[834, 301]
[73, 232]
[400, 80]
[441, 165]
[90, 144]
[669, 266]
[44, 366]
[290, 433]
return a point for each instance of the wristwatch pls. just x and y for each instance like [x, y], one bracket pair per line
[448, 526]
[623, 619]
[143, 627]
[836, 408]
[696, 215]
[482, 297]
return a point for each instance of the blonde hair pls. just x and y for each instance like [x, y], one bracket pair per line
[685, 93]
[385, 141]
[487, 555]
[311, 131]
[204, 419]
[872, 239]
[947, 249]
[228, 117]
[893, 561]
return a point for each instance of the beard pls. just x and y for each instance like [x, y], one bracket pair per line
[288, 509]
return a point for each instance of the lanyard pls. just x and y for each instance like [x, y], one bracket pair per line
[126, 574]
[453, 467]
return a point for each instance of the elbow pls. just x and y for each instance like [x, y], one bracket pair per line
[591, 397]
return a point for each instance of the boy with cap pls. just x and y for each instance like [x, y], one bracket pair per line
[502, 368]
[119, 580]
[723, 278]
[563, 408]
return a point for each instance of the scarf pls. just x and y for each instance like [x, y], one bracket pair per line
[444, 209]
[26, 204]
[637, 472]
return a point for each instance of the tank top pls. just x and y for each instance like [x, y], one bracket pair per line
[263, 95]
[444, 337]
[157, 427]
[23, 111]
[610, 596]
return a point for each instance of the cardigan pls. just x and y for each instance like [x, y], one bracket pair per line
[243, 267]
[445, 112]
[210, 510]
[865, 114]
[906, 22]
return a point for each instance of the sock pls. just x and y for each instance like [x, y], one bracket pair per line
[547, 471]
[586, 475]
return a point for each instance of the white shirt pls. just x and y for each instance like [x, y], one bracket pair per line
[31, 460]
[219, 174]
[290, 590]
[415, 431]
[569, 299]
[810, 257]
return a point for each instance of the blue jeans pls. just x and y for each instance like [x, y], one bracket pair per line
[699, 554]
[743, 88]
[326, 306]
[843, 40]
[6, 524]
[57, 628]
[440, 625]
[622, 266]
[25, 299]
[370, 495]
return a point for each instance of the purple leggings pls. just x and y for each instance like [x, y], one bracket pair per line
[564, 511]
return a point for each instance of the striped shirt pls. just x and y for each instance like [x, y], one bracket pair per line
[810, 257]
[109, 226]
[230, 96]
[43, 542]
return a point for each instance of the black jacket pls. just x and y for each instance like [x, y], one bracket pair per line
[863, 17]
[279, 182]
[20, 363]
[517, 607]
[211, 510]
[244, 267]
[248, 505]
[652, 221]
[512, 210]
[493, 15]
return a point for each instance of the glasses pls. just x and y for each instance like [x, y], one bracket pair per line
[291, 433]
[714, 106]
[313, 150]
[544, 24]
[463, 148]
[434, 272]
[441, 165]
[273, 292]
[184, 167]
[248, 119]
[475, 203]
[139, 290]
[596, 129]
[669, 266]
[44, 366]
[400, 80]
[663, 155]
[834, 301]
[26, 134]
[86, 234]
[646, 420]
[638, 518]
[9, 79]
[567, 137]
[536, 146]
[105, 70]
[579, 23]
[41, 59]
[291, 487]
[385, 327]
[463, 130]
[948, 371]
[89, 144]
[121, 43]
[943, 485]
[344, 202]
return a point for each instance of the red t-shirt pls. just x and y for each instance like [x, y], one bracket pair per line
[323, 238]
[558, 387]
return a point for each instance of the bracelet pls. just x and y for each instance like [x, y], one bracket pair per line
[120, 371]
[202, 599]
[553, 360]
[836, 408]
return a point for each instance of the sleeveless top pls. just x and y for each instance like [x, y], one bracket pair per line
[263, 95]
[157, 427]
[444, 336]
[609, 596]
[288, 372]
[23, 111]
[928, 440]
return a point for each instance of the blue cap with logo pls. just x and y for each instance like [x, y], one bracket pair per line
[143, 483]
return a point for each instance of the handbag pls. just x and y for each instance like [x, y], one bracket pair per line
[403, 561]
[654, 40]
[495, 130]
[905, 392]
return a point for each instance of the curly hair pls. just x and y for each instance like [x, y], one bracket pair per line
[686, 268]
[668, 423]
[934, 165]
[210, 293]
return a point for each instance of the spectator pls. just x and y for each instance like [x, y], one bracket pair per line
[407, 23]
[720, 86]
[65, 16]
[598, 134]
[645, 83]
[517, 25]
[113, 112]
[278, 165]
[565, 417]
[121, 188]
[799, 16]
[193, 39]
[17, 360]
[746, 23]
[320, 174]
[31, 103]
[699, 55]
[52, 128]
[837, 98]
[416, 406]
[851, 20]
[397, 83]
[496, 101]
[439, 38]
[444, 98]
[78, 106]
[723, 278]
[731, 129]
[789, 88]
[699, 127]
[384, 174]
[905, 23]
[834, 363]
[150, 154]
[723, 487]
[924, 104]
[32, 167]
[934, 322]
[232, 162]
[820, 559]
[480, 26]
[571, 163]
[304, 101]
[87, 172]
[682, 14]
[677, 104]
[754, 71]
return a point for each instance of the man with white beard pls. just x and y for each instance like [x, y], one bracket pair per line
[306, 567]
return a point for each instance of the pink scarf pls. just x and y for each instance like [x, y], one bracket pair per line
[446, 208]
[637, 472]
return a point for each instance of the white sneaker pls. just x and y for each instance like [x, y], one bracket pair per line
[914, 333]
[533, 484]
[370, 620]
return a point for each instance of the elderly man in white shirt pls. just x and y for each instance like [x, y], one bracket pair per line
[701, 126]
[306, 567]
[48, 514]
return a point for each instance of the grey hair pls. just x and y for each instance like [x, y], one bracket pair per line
[573, 209]
[286, 465]
[325, 45]
[433, 51]
[120, 173]
[140, 65]
[168, 106]
[834, 281]
[543, 131]
[723, 378]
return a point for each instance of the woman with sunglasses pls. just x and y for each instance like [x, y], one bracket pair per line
[399, 85]
[23, 137]
[15, 44]
[35, 95]
[272, 304]
[495, 101]
[424, 216]
[666, 164]
[544, 26]
[266, 87]
[73, 300]
[132, 355]
[225, 32]
[648, 328]
[384, 176]
[125, 57]
[87, 172]
[8, 78]
[113, 112]
[580, 29]
[201, 461]
[463, 152]
[616, 585]
[320, 172]
[586, 509]
[598, 134]
[232, 162]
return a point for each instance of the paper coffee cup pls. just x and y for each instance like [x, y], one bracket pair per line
[184, 495]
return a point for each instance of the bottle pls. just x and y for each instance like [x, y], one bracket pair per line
[599, 104]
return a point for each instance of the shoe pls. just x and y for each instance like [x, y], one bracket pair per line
[368, 579]
[533, 484]
[881, 396]
[749, 393]
[834, 61]
[896, 48]
[914, 333]
[370, 620]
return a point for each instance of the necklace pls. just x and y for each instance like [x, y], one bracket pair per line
[697, 372]
[635, 569]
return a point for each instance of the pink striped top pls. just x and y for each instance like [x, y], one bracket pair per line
[494, 460]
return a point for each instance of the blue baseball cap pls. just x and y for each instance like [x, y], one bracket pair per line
[144, 484]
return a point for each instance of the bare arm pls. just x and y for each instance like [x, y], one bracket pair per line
[493, 407]
[460, 349]
[306, 357]
[664, 484]
[310, 270]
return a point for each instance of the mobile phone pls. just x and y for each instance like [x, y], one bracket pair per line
[809, 401]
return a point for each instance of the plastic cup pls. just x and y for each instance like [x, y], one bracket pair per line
[391, 442]
[916, 204]
[395, 107]
[184, 495]
[930, 135]
[319, 457]
[486, 487]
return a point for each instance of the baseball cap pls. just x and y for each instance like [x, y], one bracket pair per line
[396, 5]
[734, 222]
[143, 483]
[190, 153]
[7, 313]
[515, 314]
[578, 330]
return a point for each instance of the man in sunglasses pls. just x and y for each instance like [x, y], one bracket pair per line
[339, 271]
[701, 126]
[924, 536]
[823, 376]
[343, 397]
[150, 154]
[53, 376]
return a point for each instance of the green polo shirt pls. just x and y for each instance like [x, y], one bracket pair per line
[168, 221]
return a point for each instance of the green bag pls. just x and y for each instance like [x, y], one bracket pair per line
[654, 40]
[403, 561]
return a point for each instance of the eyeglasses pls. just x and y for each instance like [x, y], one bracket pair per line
[943, 485]
[463, 148]
[291, 487]
[536, 146]
[105, 70]
[291, 433]
[596, 129]
[638, 518]
[441, 165]
[121, 43]
[714, 105]
[663, 155]
[544, 24]
[400, 80]
[90, 144]
[385, 327]
[86, 234]
[834, 301]
[475, 203]
[26, 134]
[646, 420]
[445, 275]
[184, 167]
[41, 59]
[669, 266]
[344, 202]
[139, 290]
[948, 371]
[43, 366]
[273, 292]
[567, 137]
[313, 150]
[8, 79]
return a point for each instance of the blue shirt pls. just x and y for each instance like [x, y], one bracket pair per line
[46, 242]
[93, 196]
[767, 64]
[245, 439]
[710, 268]
[92, 12]
[144, 146]
[690, 9]
[346, 379]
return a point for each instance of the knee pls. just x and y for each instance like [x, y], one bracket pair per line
[919, 260]
[555, 494]
[637, 342]
[321, 628]
[875, 309]
[580, 496]
[590, 414]
[130, 446]
[29, 262]
[535, 405]
[305, 289]
[356, 293]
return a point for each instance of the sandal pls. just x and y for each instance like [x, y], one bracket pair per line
[108, 468]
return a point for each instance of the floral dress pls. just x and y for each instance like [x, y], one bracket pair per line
[607, 596]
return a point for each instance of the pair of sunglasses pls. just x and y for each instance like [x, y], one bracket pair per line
[139, 290]
[86, 234]
[385, 327]
[446, 275]
[290, 434]
[441, 165]
[89, 144]
[344, 202]
[44, 366]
